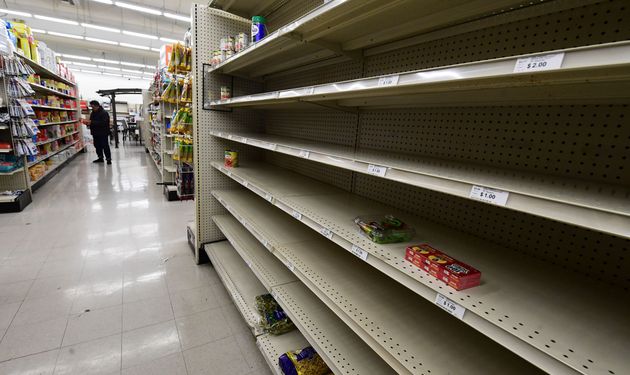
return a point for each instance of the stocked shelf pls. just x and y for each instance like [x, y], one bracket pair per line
[6, 150]
[272, 347]
[240, 282]
[512, 308]
[392, 327]
[45, 72]
[58, 123]
[65, 147]
[49, 173]
[53, 108]
[12, 172]
[341, 28]
[55, 139]
[46, 90]
[341, 349]
[603, 69]
[586, 204]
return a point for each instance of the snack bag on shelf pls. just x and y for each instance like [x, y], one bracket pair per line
[384, 229]
[303, 362]
[272, 318]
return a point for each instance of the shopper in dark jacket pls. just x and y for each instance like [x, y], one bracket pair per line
[99, 127]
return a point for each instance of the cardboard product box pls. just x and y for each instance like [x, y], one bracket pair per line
[454, 273]
[165, 55]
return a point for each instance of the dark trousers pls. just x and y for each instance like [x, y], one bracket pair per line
[101, 143]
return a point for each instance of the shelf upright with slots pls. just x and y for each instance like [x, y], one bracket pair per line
[497, 129]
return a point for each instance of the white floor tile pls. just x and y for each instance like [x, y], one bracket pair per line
[93, 325]
[36, 364]
[170, 365]
[217, 357]
[202, 328]
[7, 312]
[146, 312]
[149, 343]
[14, 292]
[194, 300]
[29, 339]
[100, 356]
[42, 309]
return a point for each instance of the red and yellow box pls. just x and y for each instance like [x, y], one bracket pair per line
[454, 273]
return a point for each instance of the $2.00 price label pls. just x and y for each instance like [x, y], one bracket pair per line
[538, 63]
[493, 196]
[450, 306]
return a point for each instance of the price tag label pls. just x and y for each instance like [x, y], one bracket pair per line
[326, 233]
[276, 95]
[304, 154]
[492, 196]
[388, 81]
[309, 91]
[450, 306]
[230, 136]
[249, 264]
[246, 184]
[227, 172]
[376, 170]
[267, 244]
[271, 146]
[269, 197]
[538, 63]
[219, 134]
[359, 252]
[289, 265]
[243, 140]
[297, 215]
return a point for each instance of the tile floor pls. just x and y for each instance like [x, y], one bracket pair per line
[96, 277]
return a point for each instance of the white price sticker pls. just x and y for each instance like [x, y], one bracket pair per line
[388, 81]
[492, 196]
[538, 63]
[269, 197]
[326, 233]
[228, 172]
[230, 136]
[267, 245]
[376, 170]
[271, 146]
[309, 91]
[297, 215]
[220, 134]
[243, 140]
[289, 265]
[304, 154]
[246, 184]
[249, 264]
[359, 252]
[450, 306]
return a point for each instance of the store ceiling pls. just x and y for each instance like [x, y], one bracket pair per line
[104, 13]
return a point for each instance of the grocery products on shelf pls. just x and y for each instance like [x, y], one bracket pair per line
[273, 318]
[181, 58]
[303, 362]
[231, 159]
[384, 229]
[259, 28]
[454, 273]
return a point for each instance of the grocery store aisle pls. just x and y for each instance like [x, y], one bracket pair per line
[96, 277]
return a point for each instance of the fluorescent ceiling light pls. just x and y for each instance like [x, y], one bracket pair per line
[177, 17]
[138, 8]
[107, 61]
[109, 68]
[39, 31]
[132, 64]
[108, 2]
[149, 73]
[76, 57]
[134, 77]
[151, 66]
[65, 35]
[80, 64]
[169, 40]
[132, 71]
[140, 35]
[89, 71]
[134, 46]
[59, 20]
[155, 49]
[97, 27]
[15, 12]
[101, 41]
[112, 74]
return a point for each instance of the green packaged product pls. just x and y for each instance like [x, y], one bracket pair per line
[272, 318]
[303, 362]
[384, 229]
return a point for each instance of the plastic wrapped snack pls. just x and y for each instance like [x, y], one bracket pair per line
[272, 318]
[303, 362]
[384, 229]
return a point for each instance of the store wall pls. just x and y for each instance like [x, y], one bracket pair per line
[90, 83]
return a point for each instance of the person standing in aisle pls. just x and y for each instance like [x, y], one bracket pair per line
[99, 127]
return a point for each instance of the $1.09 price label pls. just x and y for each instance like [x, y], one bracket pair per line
[538, 63]
[450, 306]
[493, 196]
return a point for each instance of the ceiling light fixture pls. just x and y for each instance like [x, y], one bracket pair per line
[101, 41]
[140, 35]
[149, 73]
[108, 2]
[89, 71]
[129, 45]
[151, 66]
[39, 31]
[58, 20]
[112, 74]
[79, 64]
[134, 77]
[155, 49]
[177, 17]
[132, 71]
[169, 40]
[107, 61]
[108, 68]
[16, 13]
[138, 8]
[65, 35]
[132, 64]
[76, 57]
[97, 27]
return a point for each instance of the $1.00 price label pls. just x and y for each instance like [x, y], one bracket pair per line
[376, 170]
[388, 81]
[538, 63]
[450, 306]
[493, 196]
[304, 154]
[297, 215]
[359, 252]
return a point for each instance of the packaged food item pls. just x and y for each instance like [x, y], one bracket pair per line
[303, 362]
[226, 93]
[385, 229]
[231, 159]
[272, 318]
[454, 273]
[241, 42]
[259, 28]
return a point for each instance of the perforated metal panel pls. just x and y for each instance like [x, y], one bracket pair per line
[290, 11]
[325, 126]
[334, 176]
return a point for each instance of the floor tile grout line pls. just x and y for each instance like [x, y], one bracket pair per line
[181, 349]
[17, 311]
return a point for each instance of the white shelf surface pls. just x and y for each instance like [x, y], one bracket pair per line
[267, 269]
[43, 71]
[272, 347]
[321, 327]
[49, 171]
[47, 90]
[58, 123]
[240, 282]
[602, 68]
[339, 28]
[38, 106]
[510, 306]
[589, 205]
[55, 139]
[65, 147]
[387, 317]
[12, 172]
